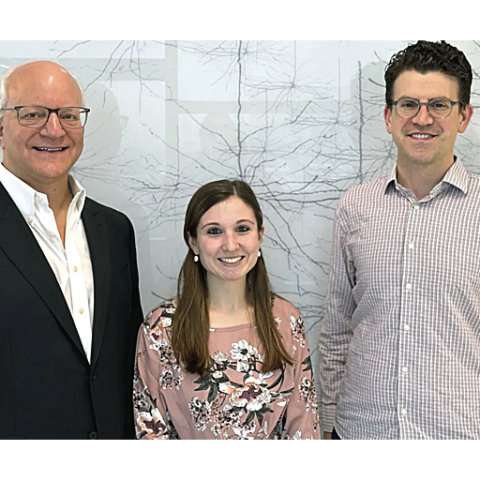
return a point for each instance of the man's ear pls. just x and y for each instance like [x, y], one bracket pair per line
[387, 116]
[1, 134]
[193, 243]
[465, 117]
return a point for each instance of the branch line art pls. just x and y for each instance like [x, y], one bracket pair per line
[301, 122]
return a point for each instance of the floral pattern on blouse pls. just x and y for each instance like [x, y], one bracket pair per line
[234, 399]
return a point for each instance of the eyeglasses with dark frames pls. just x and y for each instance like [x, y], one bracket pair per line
[36, 116]
[438, 107]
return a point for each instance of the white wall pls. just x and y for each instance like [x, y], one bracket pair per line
[300, 121]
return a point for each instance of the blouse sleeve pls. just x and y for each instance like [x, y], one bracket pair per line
[302, 411]
[152, 420]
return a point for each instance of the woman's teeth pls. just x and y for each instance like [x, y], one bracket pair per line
[230, 260]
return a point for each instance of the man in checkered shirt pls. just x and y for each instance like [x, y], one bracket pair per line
[400, 344]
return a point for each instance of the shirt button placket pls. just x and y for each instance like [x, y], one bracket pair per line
[409, 254]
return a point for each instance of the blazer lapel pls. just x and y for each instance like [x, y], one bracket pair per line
[23, 250]
[98, 244]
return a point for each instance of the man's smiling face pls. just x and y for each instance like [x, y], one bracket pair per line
[40, 155]
[424, 139]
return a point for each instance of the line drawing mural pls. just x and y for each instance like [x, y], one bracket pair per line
[301, 122]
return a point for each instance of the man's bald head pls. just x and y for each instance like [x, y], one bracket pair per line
[40, 70]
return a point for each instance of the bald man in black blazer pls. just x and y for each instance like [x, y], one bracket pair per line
[57, 379]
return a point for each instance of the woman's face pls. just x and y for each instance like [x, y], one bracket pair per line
[228, 240]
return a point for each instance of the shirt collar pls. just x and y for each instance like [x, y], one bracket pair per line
[456, 175]
[78, 192]
[391, 179]
[23, 195]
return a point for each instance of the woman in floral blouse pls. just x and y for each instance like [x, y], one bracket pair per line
[227, 358]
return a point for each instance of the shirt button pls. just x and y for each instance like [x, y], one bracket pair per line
[81, 310]
[75, 268]
[408, 286]
[406, 328]
[39, 199]
[30, 219]
[404, 411]
[404, 369]
[52, 234]
[410, 246]
[415, 206]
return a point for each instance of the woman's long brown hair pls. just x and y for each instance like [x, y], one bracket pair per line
[191, 322]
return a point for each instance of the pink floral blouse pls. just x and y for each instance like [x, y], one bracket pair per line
[235, 400]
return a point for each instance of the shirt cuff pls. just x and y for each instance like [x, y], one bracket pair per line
[327, 418]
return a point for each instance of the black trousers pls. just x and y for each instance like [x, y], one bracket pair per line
[335, 435]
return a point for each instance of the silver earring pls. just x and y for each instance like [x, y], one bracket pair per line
[259, 253]
[195, 258]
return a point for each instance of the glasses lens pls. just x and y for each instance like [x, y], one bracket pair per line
[72, 117]
[32, 116]
[440, 107]
[407, 107]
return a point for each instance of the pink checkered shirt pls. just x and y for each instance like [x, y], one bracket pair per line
[400, 344]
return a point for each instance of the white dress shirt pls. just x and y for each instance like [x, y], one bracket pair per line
[70, 263]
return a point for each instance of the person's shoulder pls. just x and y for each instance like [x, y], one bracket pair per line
[358, 201]
[364, 190]
[474, 181]
[110, 213]
[289, 321]
[161, 316]
[283, 310]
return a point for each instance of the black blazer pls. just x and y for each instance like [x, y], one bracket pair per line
[47, 387]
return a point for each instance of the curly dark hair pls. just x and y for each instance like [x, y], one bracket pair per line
[425, 57]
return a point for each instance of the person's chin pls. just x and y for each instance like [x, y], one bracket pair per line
[53, 173]
[233, 276]
[425, 159]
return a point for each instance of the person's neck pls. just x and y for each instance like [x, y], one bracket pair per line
[57, 190]
[227, 296]
[228, 304]
[421, 179]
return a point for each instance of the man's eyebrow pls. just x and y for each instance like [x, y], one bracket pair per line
[406, 97]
